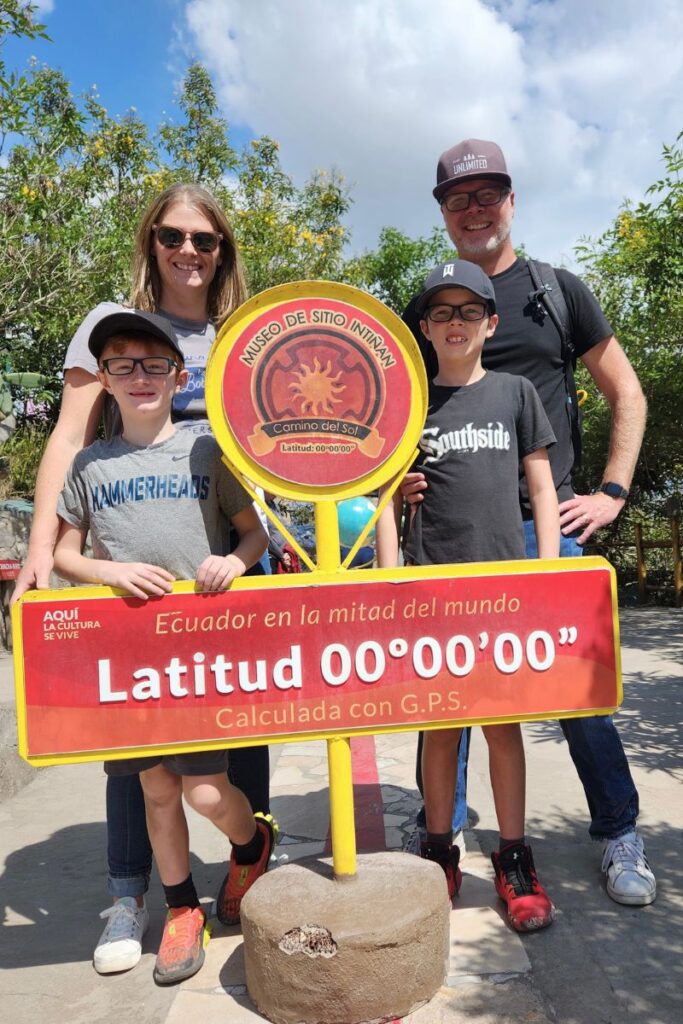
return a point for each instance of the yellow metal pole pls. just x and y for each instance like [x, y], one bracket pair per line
[342, 822]
[327, 536]
[343, 826]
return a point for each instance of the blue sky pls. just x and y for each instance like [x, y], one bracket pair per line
[128, 48]
[581, 95]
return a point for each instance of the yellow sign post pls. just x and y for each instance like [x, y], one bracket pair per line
[317, 392]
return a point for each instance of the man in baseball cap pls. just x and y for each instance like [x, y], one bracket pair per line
[548, 319]
[472, 158]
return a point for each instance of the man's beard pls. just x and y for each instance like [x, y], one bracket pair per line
[484, 246]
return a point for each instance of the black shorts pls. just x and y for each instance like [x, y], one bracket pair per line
[203, 762]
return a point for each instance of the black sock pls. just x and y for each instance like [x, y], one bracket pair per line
[249, 853]
[441, 838]
[182, 895]
[502, 843]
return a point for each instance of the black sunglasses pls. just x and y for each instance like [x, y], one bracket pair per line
[173, 238]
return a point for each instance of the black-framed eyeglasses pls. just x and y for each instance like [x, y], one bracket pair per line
[444, 312]
[173, 238]
[123, 366]
[488, 195]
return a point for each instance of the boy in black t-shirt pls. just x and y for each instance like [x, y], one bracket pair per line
[479, 426]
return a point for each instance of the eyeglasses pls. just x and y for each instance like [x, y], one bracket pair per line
[490, 195]
[123, 366]
[444, 312]
[173, 238]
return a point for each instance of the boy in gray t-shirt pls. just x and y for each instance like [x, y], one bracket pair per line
[158, 503]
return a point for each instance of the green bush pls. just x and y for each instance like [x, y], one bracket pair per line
[20, 457]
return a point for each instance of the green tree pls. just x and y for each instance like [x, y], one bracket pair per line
[395, 270]
[636, 271]
[16, 19]
[287, 233]
[75, 179]
[198, 148]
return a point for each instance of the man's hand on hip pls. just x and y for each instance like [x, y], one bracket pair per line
[588, 513]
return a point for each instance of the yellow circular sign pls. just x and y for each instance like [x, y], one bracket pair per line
[316, 390]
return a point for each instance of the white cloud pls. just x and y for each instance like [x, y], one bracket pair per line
[581, 96]
[44, 7]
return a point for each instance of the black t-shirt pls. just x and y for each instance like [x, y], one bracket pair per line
[470, 449]
[528, 343]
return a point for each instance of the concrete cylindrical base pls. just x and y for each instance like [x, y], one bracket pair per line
[369, 948]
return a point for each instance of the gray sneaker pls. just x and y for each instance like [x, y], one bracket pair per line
[120, 945]
[630, 879]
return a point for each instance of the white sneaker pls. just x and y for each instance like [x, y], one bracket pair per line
[413, 843]
[120, 945]
[629, 877]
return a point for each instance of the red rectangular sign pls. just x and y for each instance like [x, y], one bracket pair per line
[360, 652]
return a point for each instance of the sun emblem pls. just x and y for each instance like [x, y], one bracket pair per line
[317, 389]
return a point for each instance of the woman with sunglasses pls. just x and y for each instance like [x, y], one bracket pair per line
[187, 269]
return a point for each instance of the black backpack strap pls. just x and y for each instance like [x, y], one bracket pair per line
[548, 298]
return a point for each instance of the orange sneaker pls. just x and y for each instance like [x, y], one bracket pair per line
[181, 953]
[241, 877]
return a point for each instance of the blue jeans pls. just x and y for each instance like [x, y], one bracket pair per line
[129, 853]
[596, 749]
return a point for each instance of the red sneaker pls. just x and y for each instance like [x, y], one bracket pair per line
[448, 857]
[241, 877]
[181, 953]
[528, 906]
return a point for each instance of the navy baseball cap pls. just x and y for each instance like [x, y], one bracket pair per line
[457, 274]
[470, 159]
[132, 320]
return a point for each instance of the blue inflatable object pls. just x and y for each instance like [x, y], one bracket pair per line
[353, 515]
[363, 559]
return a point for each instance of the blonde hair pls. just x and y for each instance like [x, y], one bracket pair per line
[227, 290]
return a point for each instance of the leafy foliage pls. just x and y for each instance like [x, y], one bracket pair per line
[76, 180]
[636, 270]
[394, 272]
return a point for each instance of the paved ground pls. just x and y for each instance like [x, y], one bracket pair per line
[600, 963]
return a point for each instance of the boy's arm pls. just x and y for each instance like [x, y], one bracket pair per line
[138, 578]
[217, 572]
[543, 499]
[388, 526]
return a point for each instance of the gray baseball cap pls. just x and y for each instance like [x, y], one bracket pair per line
[457, 274]
[469, 159]
[132, 320]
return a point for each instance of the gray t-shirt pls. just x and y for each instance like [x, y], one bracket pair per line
[472, 442]
[195, 337]
[168, 504]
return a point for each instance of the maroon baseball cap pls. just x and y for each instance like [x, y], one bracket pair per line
[472, 158]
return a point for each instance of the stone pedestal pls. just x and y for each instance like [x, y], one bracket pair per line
[365, 949]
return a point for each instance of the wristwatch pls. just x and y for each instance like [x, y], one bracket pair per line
[614, 490]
